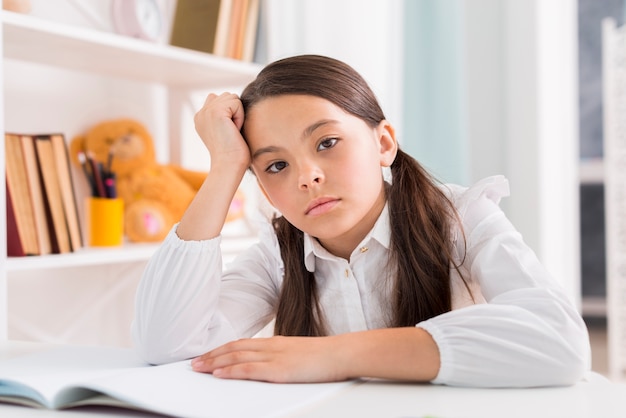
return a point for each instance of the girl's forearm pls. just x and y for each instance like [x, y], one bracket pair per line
[205, 216]
[408, 353]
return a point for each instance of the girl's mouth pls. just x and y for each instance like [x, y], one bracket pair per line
[321, 206]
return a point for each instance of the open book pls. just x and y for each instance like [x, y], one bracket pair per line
[73, 376]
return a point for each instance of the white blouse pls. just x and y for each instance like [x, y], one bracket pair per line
[517, 328]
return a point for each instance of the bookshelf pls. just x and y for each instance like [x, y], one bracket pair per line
[181, 71]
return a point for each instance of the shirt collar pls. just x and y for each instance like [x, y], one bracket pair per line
[381, 232]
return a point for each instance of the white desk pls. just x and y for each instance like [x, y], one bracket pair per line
[377, 399]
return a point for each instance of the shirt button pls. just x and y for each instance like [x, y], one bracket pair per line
[364, 249]
[347, 273]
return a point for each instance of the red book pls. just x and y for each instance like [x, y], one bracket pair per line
[14, 243]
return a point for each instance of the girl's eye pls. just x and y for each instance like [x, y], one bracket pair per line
[276, 167]
[327, 143]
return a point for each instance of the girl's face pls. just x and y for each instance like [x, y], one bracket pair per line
[320, 167]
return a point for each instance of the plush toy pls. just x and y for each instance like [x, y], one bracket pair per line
[155, 195]
[18, 6]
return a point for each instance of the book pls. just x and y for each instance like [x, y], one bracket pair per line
[36, 194]
[53, 195]
[17, 185]
[222, 30]
[72, 376]
[14, 243]
[236, 27]
[195, 24]
[62, 163]
[251, 31]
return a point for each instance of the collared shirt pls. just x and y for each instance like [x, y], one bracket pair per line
[354, 293]
[517, 327]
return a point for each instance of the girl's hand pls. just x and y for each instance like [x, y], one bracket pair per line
[406, 353]
[276, 359]
[219, 123]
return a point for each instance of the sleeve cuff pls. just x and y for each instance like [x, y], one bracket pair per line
[445, 354]
[174, 241]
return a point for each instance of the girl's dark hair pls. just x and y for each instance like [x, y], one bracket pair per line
[421, 215]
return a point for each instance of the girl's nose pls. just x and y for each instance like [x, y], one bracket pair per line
[310, 176]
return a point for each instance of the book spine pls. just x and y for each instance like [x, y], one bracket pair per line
[17, 185]
[36, 194]
[67, 190]
[14, 242]
[195, 24]
[251, 31]
[49, 174]
[223, 28]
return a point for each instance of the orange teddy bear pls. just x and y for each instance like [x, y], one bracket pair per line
[155, 195]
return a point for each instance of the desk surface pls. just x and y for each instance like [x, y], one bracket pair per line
[378, 399]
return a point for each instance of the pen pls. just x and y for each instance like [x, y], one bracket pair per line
[86, 169]
[109, 185]
[96, 170]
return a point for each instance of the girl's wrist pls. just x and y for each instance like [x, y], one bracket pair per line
[406, 353]
[225, 169]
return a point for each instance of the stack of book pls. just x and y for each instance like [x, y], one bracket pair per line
[227, 28]
[42, 216]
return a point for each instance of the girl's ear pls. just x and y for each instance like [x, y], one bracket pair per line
[387, 142]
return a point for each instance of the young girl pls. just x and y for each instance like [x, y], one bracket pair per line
[365, 275]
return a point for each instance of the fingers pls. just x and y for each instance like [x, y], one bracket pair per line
[276, 359]
[250, 371]
[218, 123]
[234, 352]
[243, 359]
[227, 101]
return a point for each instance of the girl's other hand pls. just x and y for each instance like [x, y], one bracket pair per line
[219, 123]
[275, 359]
[405, 353]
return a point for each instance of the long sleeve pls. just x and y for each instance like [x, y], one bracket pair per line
[186, 305]
[528, 333]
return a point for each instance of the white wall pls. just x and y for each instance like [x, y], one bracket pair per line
[523, 120]
[492, 89]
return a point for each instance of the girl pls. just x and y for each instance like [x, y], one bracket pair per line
[366, 276]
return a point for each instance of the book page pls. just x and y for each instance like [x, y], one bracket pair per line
[66, 376]
[175, 389]
[46, 373]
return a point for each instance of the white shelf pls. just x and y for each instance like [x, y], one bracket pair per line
[83, 257]
[37, 40]
[231, 246]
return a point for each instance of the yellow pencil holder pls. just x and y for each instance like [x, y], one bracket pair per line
[105, 221]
